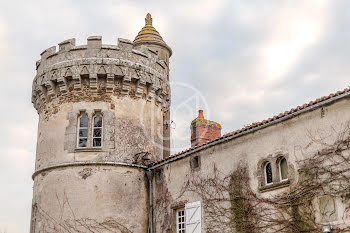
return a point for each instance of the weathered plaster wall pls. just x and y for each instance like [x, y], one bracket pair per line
[98, 193]
[289, 138]
[134, 127]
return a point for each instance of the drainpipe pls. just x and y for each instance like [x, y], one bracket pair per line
[150, 178]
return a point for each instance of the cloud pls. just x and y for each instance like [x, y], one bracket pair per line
[297, 28]
[248, 59]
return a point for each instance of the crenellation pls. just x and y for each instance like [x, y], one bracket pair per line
[66, 45]
[94, 42]
[79, 47]
[141, 74]
[110, 47]
[139, 53]
[125, 44]
[68, 50]
[48, 52]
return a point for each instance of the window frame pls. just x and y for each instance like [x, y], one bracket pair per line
[265, 173]
[93, 128]
[79, 128]
[180, 230]
[280, 169]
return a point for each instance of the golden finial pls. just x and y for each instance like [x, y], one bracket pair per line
[148, 19]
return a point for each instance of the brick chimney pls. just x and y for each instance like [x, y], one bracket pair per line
[203, 130]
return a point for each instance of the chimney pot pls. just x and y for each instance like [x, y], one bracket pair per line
[200, 114]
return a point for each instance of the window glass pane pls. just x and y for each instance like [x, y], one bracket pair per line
[97, 121]
[97, 132]
[180, 219]
[82, 142]
[97, 142]
[84, 120]
[83, 132]
[268, 173]
[284, 169]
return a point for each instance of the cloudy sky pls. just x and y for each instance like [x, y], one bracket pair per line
[244, 60]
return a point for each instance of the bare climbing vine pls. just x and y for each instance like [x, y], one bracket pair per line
[62, 224]
[162, 202]
[230, 205]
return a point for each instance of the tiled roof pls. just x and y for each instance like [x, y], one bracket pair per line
[262, 124]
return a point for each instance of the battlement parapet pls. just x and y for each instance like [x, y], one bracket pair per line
[68, 50]
[95, 72]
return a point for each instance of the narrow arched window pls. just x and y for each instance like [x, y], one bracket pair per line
[268, 173]
[83, 130]
[97, 130]
[283, 167]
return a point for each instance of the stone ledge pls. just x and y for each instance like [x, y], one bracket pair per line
[89, 149]
[87, 163]
[274, 186]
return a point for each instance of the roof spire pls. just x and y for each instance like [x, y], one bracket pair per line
[150, 36]
[148, 19]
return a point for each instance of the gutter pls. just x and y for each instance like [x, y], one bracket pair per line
[150, 188]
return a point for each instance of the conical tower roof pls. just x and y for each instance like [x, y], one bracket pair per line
[149, 35]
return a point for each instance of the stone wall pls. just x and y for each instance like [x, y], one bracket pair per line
[100, 197]
[289, 138]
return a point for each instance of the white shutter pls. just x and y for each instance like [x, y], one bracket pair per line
[193, 217]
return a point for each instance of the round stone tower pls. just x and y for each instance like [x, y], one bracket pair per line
[150, 38]
[103, 110]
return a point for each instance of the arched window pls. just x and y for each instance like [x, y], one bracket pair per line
[268, 173]
[83, 130]
[97, 130]
[283, 167]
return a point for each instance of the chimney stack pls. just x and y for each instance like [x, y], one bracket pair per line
[203, 130]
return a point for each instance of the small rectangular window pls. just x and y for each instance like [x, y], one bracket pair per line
[180, 221]
[97, 131]
[195, 162]
[83, 130]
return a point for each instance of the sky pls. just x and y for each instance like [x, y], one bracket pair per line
[239, 61]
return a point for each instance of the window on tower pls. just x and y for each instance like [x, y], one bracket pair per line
[97, 130]
[89, 130]
[83, 130]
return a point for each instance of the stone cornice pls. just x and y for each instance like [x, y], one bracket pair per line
[87, 163]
